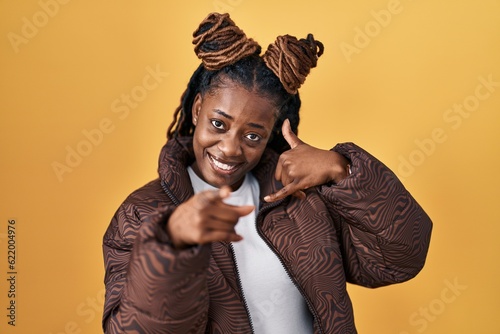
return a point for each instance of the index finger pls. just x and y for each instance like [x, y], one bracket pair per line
[284, 192]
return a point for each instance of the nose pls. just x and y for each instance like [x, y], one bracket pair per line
[230, 146]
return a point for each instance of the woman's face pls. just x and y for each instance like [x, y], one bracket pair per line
[232, 128]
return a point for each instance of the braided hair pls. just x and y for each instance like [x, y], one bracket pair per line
[227, 53]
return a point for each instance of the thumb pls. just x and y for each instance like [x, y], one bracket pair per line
[290, 137]
[224, 192]
[211, 196]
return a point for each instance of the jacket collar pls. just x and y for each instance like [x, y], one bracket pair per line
[177, 154]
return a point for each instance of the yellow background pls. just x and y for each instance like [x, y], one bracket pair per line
[389, 91]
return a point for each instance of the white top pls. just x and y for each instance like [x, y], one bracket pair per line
[274, 303]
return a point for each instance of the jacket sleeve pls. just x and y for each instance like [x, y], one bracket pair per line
[384, 232]
[150, 287]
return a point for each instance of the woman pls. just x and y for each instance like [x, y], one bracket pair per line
[248, 229]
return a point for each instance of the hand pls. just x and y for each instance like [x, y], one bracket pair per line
[304, 166]
[206, 218]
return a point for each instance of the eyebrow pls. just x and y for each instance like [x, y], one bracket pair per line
[223, 114]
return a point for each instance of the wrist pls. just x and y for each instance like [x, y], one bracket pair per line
[174, 241]
[340, 167]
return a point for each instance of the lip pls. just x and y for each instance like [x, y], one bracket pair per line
[222, 166]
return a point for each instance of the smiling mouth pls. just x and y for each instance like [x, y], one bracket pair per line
[222, 166]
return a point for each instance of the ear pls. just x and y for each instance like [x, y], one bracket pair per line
[195, 111]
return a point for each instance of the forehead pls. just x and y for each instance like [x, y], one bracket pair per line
[238, 102]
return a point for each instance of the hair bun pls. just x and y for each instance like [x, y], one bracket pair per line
[291, 59]
[219, 42]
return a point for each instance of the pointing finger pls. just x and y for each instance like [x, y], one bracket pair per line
[284, 192]
[229, 213]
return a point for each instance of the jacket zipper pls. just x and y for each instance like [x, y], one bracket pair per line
[238, 279]
[240, 286]
[271, 247]
[169, 194]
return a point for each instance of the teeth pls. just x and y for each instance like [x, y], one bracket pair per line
[222, 165]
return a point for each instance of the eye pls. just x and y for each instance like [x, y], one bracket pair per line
[253, 137]
[217, 124]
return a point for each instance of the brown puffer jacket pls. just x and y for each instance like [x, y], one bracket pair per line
[367, 230]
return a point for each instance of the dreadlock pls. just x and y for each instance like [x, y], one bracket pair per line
[227, 53]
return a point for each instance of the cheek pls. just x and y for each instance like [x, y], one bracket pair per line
[255, 156]
[202, 139]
